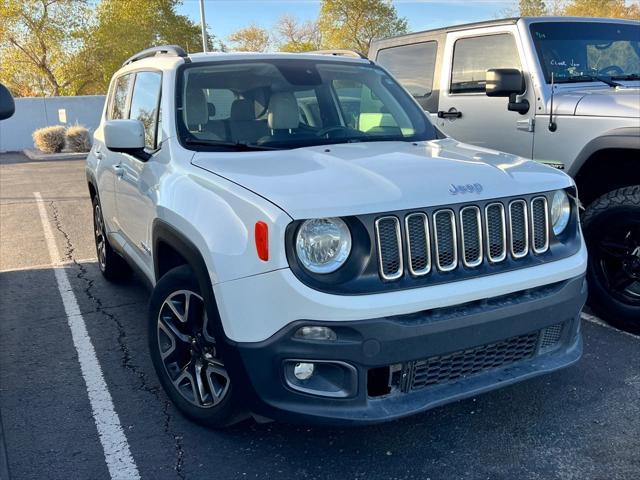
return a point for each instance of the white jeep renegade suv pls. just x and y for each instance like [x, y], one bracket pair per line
[318, 251]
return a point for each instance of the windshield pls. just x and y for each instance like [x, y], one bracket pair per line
[290, 103]
[576, 51]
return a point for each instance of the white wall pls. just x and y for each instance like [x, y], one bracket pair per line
[34, 113]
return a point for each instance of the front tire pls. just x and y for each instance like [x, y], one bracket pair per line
[612, 230]
[184, 351]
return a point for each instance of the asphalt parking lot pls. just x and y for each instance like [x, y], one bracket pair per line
[579, 423]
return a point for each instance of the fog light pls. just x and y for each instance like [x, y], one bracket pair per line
[303, 371]
[316, 333]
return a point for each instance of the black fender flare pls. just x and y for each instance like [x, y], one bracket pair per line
[91, 180]
[166, 233]
[627, 138]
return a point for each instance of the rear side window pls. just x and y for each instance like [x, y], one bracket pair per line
[472, 57]
[413, 66]
[145, 103]
[119, 101]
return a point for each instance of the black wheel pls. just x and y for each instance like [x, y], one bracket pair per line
[112, 265]
[184, 352]
[612, 231]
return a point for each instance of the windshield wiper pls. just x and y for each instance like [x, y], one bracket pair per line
[236, 146]
[585, 78]
[628, 76]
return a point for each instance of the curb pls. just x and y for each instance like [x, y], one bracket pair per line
[34, 154]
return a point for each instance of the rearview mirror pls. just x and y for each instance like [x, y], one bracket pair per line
[125, 136]
[508, 82]
[7, 105]
[504, 82]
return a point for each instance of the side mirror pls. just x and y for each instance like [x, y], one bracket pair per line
[7, 105]
[504, 82]
[126, 136]
[508, 82]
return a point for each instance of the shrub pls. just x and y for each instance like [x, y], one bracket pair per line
[49, 139]
[78, 139]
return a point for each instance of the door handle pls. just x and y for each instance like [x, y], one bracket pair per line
[452, 113]
[98, 155]
[118, 170]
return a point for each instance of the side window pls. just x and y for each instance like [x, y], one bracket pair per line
[413, 66]
[145, 103]
[472, 57]
[119, 99]
[219, 103]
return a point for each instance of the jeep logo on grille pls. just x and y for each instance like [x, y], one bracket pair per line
[468, 188]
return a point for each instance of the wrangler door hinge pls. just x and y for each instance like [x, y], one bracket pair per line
[526, 125]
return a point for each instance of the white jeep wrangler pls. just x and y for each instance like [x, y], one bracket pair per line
[574, 102]
[316, 252]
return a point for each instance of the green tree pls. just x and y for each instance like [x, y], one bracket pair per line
[39, 44]
[603, 8]
[354, 24]
[294, 36]
[532, 8]
[250, 39]
[124, 27]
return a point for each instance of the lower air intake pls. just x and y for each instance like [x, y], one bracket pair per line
[550, 337]
[464, 363]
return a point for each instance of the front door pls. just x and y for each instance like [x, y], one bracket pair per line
[135, 186]
[465, 112]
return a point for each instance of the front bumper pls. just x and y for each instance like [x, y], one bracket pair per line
[464, 340]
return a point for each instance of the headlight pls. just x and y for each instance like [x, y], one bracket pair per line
[560, 211]
[323, 244]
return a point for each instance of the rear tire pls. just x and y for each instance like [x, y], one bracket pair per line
[612, 230]
[113, 267]
[184, 353]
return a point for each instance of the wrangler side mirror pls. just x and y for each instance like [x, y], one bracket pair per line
[507, 82]
[7, 105]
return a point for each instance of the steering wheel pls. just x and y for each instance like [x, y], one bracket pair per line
[611, 69]
[334, 128]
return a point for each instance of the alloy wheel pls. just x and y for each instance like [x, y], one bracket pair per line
[188, 351]
[101, 245]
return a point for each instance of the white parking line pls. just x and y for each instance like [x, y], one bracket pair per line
[114, 442]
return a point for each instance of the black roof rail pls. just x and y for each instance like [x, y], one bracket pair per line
[340, 53]
[170, 50]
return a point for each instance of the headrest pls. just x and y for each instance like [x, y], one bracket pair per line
[196, 109]
[283, 111]
[212, 109]
[242, 110]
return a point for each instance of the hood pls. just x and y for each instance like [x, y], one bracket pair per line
[376, 177]
[599, 102]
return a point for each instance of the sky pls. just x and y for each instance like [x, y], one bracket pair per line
[225, 16]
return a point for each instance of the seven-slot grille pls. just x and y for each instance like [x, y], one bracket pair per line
[472, 236]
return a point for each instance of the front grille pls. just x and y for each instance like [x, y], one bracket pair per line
[464, 363]
[445, 239]
[389, 247]
[519, 225]
[495, 222]
[539, 224]
[418, 244]
[470, 236]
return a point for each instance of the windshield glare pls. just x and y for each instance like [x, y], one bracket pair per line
[294, 103]
[576, 49]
